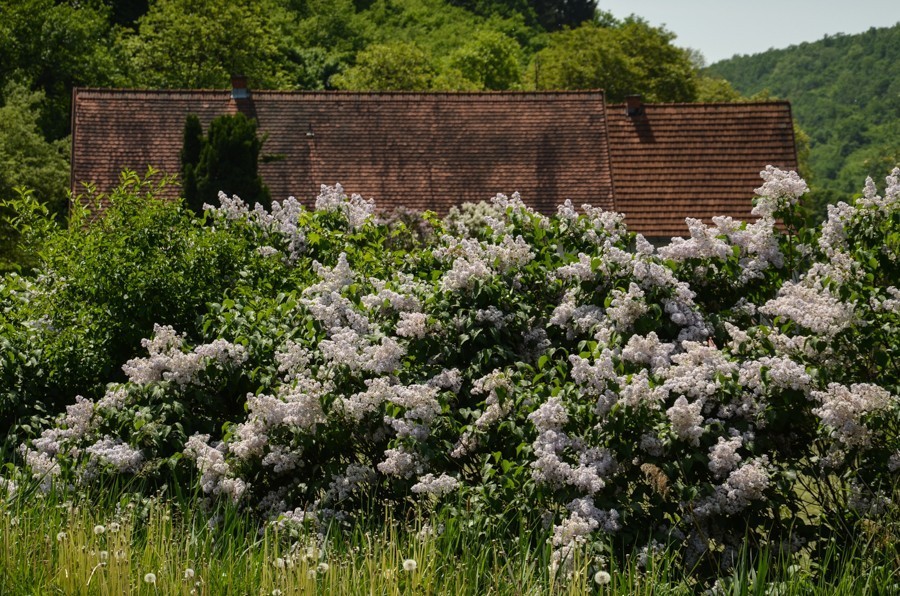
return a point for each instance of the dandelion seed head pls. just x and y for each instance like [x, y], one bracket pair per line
[99, 529]
[602, 578]
[150, 578]
[409, 565]
[188, 573]
[60, 536]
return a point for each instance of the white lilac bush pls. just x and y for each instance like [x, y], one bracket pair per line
[739, 384]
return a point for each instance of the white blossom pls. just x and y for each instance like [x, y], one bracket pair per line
[780, 190]
[686, 420]
[435, 485]
[843, 410]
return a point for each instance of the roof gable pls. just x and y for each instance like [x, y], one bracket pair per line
[694, 160]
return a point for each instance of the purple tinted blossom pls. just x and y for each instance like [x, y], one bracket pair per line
[638, 392]
[346, 347]
[626, 307]
[283, 459]
[686, 420]
[354, 478]
[723, 456]
[401, 298]
[400, 463]
[115, 398]
[566, 210]
[43, 466]
[357, 210]
[811, 306]
[892, 187]
[781, 373]
[464, 274]
[448, 379]
[360, 405]
[215, 472]
[513, 202]
[575, 318]
[704, 243]
[584, 518]
[167, 362]
[511, 253]
[491, 315]
[593, 377]
[230, 208]
[747, 483]
[603, 227]
[894, 462]
[438, 486]
[9, 487]
[115, 453]
[551, 415]
[413, 325]
[780, 190]
[696, 372]
[648, 350]
[843, 410]
[293, 360]
[496, 409]
[580, 270]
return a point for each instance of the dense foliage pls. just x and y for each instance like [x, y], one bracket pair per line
[844, 90]
[738, 385]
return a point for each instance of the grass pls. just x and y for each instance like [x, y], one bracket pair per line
[109, 544]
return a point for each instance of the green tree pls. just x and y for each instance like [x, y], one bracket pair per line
[227, 160]
[588, 57]
[632, 58]
[397, 66]
[667, 72]
[490, 60]
[191, 148]
[27, 160]
[53, 47]
[201, 43]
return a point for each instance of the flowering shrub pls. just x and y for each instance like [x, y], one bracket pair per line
[739, 383]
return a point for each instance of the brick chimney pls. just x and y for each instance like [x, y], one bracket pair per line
[239, 88]
[634, 106]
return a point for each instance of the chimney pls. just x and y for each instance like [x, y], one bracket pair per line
[239, 88]
[634, 106]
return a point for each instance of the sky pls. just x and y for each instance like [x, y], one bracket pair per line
[723, 28]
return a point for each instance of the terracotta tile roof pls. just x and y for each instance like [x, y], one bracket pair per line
[694, 160]
[432, 151]
[423, 151]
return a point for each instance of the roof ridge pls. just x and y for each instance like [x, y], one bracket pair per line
[338, 93]
[707, 103]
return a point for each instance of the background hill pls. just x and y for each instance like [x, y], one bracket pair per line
[845, 93]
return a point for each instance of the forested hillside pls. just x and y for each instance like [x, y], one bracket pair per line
[845, 93]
